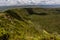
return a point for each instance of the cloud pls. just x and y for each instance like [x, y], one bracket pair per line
[29, 2]
[52, 2]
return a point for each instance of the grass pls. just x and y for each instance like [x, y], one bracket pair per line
[18, 24]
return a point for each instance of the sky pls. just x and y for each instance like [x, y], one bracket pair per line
[29, 2]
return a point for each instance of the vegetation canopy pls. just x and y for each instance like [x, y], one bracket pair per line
[30, 24]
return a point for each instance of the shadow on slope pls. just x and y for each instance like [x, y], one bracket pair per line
[4, 37]
[30, 11]
[13, 14]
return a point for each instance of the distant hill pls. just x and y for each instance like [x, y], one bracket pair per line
[2, 8]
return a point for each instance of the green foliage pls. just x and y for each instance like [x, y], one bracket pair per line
[28, 27]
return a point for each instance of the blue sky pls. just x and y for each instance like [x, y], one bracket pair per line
[29, 2]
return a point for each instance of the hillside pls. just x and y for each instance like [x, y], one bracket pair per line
[30, 24]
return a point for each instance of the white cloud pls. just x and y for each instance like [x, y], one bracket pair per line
[28, 2]
[52, 1]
